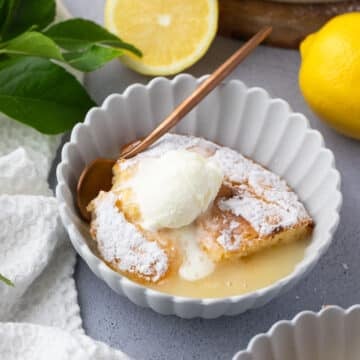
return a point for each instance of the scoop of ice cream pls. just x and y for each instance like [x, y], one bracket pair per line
[174, 189]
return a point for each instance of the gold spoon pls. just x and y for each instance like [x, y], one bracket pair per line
[98, 174]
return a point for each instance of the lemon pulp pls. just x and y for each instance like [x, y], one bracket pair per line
[172, 35]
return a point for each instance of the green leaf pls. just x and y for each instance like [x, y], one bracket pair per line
[92, 58]
[33, 44]
[6, 281]
[41, 94]
[3, 9]
[23, 14]
[8, 13]
[80, 34]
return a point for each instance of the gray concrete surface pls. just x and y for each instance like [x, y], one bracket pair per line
[143, 334]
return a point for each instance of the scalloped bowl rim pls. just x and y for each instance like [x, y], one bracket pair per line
[293, 323]
[301, 268]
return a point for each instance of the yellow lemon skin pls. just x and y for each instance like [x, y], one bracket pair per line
[329, 75]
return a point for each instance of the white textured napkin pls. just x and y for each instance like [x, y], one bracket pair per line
[37, 256]
[30, 232]
[28, 341]
[39, 317]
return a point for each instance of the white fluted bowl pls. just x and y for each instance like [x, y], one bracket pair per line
[247, 120]
[331, 334]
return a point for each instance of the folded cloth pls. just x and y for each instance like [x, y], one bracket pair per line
[28, 341]
[37, 257]
[40, 148]
[29, 232]
[19, 175]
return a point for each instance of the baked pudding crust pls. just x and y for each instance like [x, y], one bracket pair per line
[254, 209]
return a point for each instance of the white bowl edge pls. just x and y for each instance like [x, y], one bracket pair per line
[327, 321]
[168, 304]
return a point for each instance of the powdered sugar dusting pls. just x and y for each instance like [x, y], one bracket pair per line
[264, 217]
[235, 166]
[121, 243]
[263, 199]
[167, 143]
[266, 202]
[273, 189]
[228, 240]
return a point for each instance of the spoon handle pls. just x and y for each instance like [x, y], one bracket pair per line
[200, 93]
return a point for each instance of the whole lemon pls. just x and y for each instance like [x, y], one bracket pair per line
[330, 73]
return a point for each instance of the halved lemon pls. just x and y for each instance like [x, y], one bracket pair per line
[171, 34]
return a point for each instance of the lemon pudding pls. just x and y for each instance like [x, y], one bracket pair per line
[192, 218]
